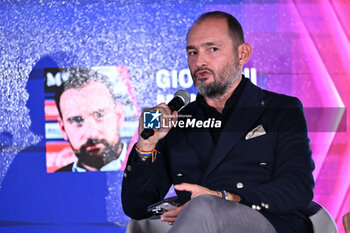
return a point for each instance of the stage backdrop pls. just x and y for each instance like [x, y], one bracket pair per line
[300, 49]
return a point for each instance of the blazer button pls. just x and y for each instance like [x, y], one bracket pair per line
[179, 174]
[262, 164]
[128, 168]
[239, 185]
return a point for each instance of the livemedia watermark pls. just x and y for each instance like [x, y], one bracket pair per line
[155, 120]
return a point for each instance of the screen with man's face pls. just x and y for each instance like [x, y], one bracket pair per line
[96, 122]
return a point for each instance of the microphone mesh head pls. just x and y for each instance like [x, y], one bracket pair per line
[184, 95]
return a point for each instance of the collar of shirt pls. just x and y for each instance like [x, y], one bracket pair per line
[114, 165]
[211, 112]
[229, 105]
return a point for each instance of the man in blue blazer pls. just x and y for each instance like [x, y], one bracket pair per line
[252, 174]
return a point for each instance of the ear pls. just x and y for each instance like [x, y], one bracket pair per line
[244, 53]
[120, 113]
[62, 129]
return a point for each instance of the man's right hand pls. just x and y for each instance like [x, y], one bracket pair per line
[171, 215]
[166, 117]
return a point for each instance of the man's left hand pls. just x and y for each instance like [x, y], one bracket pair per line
[195, 189]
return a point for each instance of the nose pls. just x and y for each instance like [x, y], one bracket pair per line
[201, 60]
[90, 128]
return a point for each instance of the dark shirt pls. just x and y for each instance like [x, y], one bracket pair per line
[211, 112]
[230, 104]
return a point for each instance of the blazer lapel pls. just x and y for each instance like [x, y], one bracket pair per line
[249, 108]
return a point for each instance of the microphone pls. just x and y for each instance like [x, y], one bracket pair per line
[181, 99]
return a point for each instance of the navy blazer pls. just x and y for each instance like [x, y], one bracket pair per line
[272, 172]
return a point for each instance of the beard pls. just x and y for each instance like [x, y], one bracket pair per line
[222, 82]
[98, 157]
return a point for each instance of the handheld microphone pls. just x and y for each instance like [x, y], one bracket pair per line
[181, 99]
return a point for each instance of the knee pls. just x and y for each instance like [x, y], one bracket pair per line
[202, 203]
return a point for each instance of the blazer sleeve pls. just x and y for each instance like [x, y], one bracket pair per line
[144, 183]
[291, 186]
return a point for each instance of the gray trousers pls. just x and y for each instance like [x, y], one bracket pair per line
[210, 214]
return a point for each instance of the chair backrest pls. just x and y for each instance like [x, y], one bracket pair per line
[322, 221]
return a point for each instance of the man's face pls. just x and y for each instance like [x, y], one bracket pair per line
[212, 57]
[91, 122]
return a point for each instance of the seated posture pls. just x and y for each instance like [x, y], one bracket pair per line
[251, 174]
